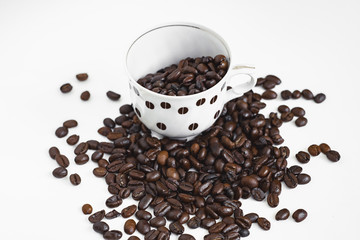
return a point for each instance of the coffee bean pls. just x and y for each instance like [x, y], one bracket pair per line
[303, 157]
[161, 209]
[217, 227]
[85, 95]
[243, 222]
[81, 159]
[70, 123]
[290, 180]
[273, 199]
[60, 172]
[113, 95]
[269, 84]
[143, 227]
[133, 238]
[295, 169]
[269, 94]
[249, 181]
[114, 201]
[126, 109]
[73, 139]
[296, 94]
[301, 121]
[108, 122]
[143, 215]
[333, 155]
[129, 226]
[113, 235]
[87, 209]
[61, 132]
[314, 150]
[258, 194]
[53, 151]
[112, 214]
[101, 227]
[263, 223]
[82, 76]
[93, 144]
[260, 81]
[303, 178]
[299, 215]
[282, 214]
[176, 228]
[194, 222]
[81, 148]
[307, 94]
[186, 237]
[324, 148]
[158, 222]
[97, 217]
[285, 95]
[65, 88]
[128, 211]
[145, 202]
[99, 172]
[298, 111]
[75, 179]
[319, 98]
[283, 109]
[62, 160]
[214, 236]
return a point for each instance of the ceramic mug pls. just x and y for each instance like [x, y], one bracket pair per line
[180, 117]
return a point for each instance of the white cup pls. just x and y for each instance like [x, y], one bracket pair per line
[180, 117]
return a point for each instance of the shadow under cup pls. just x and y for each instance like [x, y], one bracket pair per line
[178, 117]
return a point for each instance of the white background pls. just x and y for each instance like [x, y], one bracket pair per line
[43, 44]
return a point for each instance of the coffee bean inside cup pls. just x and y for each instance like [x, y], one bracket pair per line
[189, 76]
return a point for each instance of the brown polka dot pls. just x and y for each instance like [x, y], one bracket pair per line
[161, 126]
[183, 110]
[149, 104]
[216, 114]
[222, 88]
[165, 105]
[200, 102]
[138, 112]
[136, 91]
[213, 99]
[193, 126]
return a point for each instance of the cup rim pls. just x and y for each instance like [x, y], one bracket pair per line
[185, 24]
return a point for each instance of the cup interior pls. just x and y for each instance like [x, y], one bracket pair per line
[168, 44]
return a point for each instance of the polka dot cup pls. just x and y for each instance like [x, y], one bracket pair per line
[181, 117]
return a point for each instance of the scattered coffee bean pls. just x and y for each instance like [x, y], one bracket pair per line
[112, 214]
[282, 214]
[307, 94]
[194, 222]
[112, 235]
[319, 98]
[332, 155]
[299, 215]
[303, 157]
[62, 160]
[53, 151]
[113, 201]
[113, 95]
[324, 148]
[133, 238]
[75, 179]
[128, 211]
[99, 172]
[301, 121]
[60, 172]
[73, 139]
[81, 159]
[314, 150]
[126, 109]
[303, 178]
[65, 88]
[269, 84]
[85, 95]
[264, 223]
[143, 227]
[296, 94]
[186, 237]
[260, 81]
[87, 209]
[101, 227]
[157, 222]
[286, 94]
[97, 217]
[61, 132]
[81, 148]
[129, 226]
[82, 76]
[70, 123]
[283, 109]
[298, 111]
[176, 227]
[269, 94]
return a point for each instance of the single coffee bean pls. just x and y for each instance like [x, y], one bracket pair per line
[303, 178]
[128, 211]
[290, 180]
[143, 227]
[87, 209]
[129, 226]
[186, 237]
[273, 200]
[214, 236]
[296, 94]
[282, 214]
[108, 122]
[269, 84]
[324, 148]
[264, 223]
[260, 81]
[303, 157]
[161, 209]
[82, 76]
[319, 98]
[61, 132]
[207, 223]
[143, 215]
[97, 155]
[299, 215]
[99, 172]
[184, 217]
[73, 139]
[298, 111]
[85, 95]
[81, 159]
[65, 88]
[114, 201]
[71, 123]
[113, 95]
[285, 95]
[112, 214]
[217, 227]
[314, 150]
[101, 227]
[93, 144]
[269, 94]
[301, 121]
[133, 238]
[176, 228]
[244, 232]
[62, 160]
[75, 179]
[60, 172]
[81, 148]
[97, 217]
[194, 222]
[243, 222]
[332, 155]
[283, 109]
[157, 222]
[126, 109]
[112, 235]
[53, 151]
[258, 194]
[307, 94]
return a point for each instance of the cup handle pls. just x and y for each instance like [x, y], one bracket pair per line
[240, 88]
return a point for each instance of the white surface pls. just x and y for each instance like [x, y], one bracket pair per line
[43, 44]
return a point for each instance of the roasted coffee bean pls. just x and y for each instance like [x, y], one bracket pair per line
[101, 227]
[269, 94]
[324, 148]
[184, 217]
[264, 223]
[143, 215]
[290, 180]
[60, 172]
[307, 94]
[260, 81]
[333, 155]
[128, 211]
[269, 84]
[252, 217]
[112, 214]
[319, 98]
[103, 163]
[243, 222]
[113, 95]
[126, 109]
[258, 194]
[73, 139]
[65, 88]
[108, 122]
[303, 178]
[186, 237]
[207, 223]
[87, 209]
[298, 111]
[230, 228]
[244, 232]
[214, 236]
[295, 169]
[301, 121]
[314, 150]
[286, 94]
[273, 199]
[130, 226]
[113, 201]
[133, 238]
[283, 109]
[194, 222]
[217, 227]
[53, 151]
[75, 179]
[161, 209]
[157, 222]
[145, 202]
[249, 181]
[153, 176]
[282, 214]
[61, 132]
[112, 235]
[70, 123]
[93, 144]
[296, 94]
[299, 215]
[81, 159]
[99, 172]
[97, 217]
[82, 76]
[85, 95]
[176, 228]
[143, 227]
[62, 160]
[81, 148]
[303, 157]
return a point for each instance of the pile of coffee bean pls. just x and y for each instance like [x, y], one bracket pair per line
[200, 182]
[189, 76]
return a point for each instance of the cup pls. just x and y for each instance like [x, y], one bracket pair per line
[181, 117]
